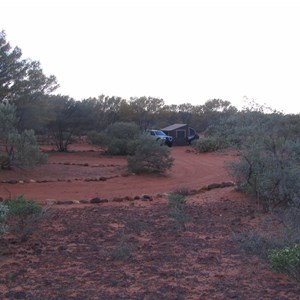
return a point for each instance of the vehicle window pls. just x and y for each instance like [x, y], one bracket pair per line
[159, 132]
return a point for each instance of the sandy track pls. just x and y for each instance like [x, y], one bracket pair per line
[189, 170]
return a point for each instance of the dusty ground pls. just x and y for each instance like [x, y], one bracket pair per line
[131, 250]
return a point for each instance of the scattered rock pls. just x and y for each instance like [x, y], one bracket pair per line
[102, 178]
[64, 202]
[95, 200]
[227, 184]
[146, 198]
[83, 201]
[51, 201]
[117, 199]
[12, 181]
[213, 186]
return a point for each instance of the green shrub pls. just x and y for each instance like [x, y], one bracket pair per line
[182, 190]
[208, 144]
[178, 210]
[97, 138]
[3, 216]
[123, 250]
[269, 171]
[149, 157]
[121, 138]
[20, 206]
[24, 215]
[287, 261]
[254, 243]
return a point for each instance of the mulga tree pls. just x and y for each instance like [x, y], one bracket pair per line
[19, 77]
[62, 123]
[16, 149]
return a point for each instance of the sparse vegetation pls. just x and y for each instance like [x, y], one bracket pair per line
[19, 149]
[208, 144]
[149, 157]
[178, 210]
[123, 250]
[3, 217]
[121, 138]
[287, 261]
[24, 216]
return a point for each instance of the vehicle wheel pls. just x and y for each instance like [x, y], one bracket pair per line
[160, 141]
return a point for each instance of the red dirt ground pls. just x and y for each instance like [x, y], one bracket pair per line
[131, 250]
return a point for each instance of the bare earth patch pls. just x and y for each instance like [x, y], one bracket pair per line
[131, 250]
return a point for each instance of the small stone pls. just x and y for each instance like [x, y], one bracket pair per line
[12, 181]
[83, 201]
[227, 184]
[116, 199]
[213, 186]
[102, 178]
[51, 201]
[95, 200]
[64, 202]
[146, 198]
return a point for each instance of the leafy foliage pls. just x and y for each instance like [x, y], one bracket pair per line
[149, 157]
[25, 215]
[97, 138]
[269, 162]
[17, 148]
[287, 261]
[25, 150]
[21, 77]
[178, 210]
[3, 216]
[121, 138]
[20, 206]
[208, 144]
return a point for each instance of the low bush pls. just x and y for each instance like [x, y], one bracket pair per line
[24, 216]
[253, 243]
[97, 138]
[178, 210]
[3, 216]
[287, 261]
[268, 170]
[208, 144]
[123, 250]
[121, 138]
[149, 157]
[20, 206]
